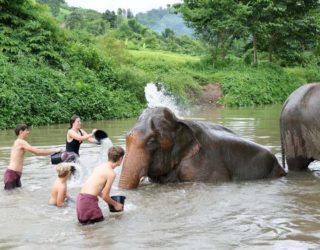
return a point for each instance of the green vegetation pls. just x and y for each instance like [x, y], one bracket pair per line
[163, 19]
[242, 85]
[46, 75]
[55, 62]
[284, 28]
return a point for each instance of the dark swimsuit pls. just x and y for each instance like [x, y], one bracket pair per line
[74, 145]
[11, 179]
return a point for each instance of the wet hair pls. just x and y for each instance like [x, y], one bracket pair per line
[63, 169]
[72, 120]
[115, 153]
[20, 127]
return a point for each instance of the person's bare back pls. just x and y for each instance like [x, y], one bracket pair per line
[98, 179]
[99, 184]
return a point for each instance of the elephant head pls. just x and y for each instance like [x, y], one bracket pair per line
[154, 147]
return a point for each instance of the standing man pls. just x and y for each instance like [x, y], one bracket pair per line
[13, 173]
[99, 184]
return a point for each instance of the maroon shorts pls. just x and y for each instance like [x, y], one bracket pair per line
[88, 210]
[11, 179]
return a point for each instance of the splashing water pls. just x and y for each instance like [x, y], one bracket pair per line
[157, 96]
[83, 169]
[105, 145]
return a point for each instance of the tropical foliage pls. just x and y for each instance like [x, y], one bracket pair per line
[57, 60]
[284, 29]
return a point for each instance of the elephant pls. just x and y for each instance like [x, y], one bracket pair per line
[300, 127]
[167, 149]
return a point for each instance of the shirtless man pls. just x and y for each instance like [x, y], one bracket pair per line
[13, 173]
[99, 184]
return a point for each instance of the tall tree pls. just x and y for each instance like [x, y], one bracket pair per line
[129, 14]
[54, 5]
[284, 28]
[111, 17]
[75, 20]
[217, 22]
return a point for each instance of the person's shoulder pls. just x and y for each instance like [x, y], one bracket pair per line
[99, 169]
[110, 172]
[60, 185]
[20, 142]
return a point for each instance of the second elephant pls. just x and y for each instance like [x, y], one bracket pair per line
[300, 127]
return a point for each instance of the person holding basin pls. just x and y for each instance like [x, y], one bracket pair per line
[99, 184]
[76, 135]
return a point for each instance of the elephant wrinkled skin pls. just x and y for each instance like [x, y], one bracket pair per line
[168, 149]
[300, 127]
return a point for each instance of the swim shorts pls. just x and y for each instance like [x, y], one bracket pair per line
[11, 179]
[88, 210]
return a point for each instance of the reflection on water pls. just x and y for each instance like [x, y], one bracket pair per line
[264, 214]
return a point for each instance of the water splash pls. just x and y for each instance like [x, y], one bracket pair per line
[105, 145]
[85, 165]
[157, 96]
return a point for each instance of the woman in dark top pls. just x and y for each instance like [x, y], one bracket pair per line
[76, 135]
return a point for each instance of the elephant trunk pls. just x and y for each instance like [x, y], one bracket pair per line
[135, 165]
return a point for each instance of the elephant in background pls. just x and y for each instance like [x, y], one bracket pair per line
[300, 127]
[168, 149]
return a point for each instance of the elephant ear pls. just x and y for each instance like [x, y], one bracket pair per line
[164, 122]
[168, 115]
[186, 144]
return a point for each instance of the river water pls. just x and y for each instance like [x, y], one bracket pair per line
[265, 214]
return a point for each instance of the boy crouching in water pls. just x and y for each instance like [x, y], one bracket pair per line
[59, 189]
[99, 184]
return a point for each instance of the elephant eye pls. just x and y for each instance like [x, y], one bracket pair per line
[152, 143]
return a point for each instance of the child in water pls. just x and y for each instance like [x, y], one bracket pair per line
[59, 193]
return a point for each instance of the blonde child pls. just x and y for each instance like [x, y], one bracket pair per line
[59, 193]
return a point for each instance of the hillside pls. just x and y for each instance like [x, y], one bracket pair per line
[164, 18]
[97, 65]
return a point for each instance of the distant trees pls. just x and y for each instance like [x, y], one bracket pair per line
[281, 28]
[54, 5]
[167, 33]
[110, 17]
[164, 18]
[75, 20]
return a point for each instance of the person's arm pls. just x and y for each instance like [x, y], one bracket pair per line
[73, 134]
[91, 138]
[61, 197]
[39, 151]
[105, 194]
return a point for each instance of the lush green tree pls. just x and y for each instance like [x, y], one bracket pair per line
[164, 18]
[75, 20]
[217, 22]
[294, 30]
[129, 14]
[167, 33]
[111, 17]
[285, 28]
[54, 5]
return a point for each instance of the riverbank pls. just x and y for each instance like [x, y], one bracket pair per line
[192, 78]
[49, 72]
